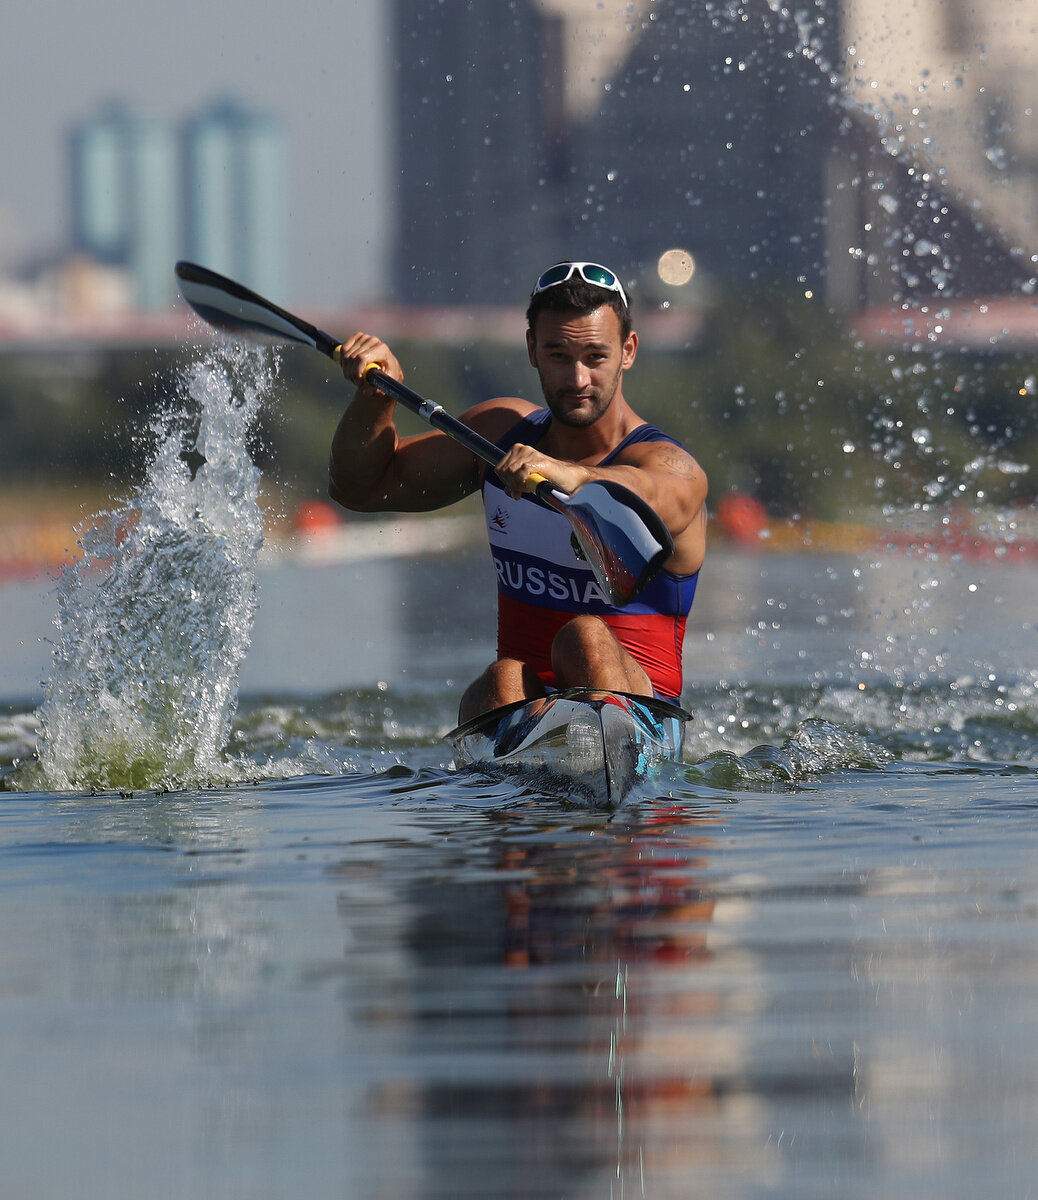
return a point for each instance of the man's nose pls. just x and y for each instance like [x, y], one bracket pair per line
[581, 375]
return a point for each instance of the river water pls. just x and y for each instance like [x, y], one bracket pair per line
[804, 965]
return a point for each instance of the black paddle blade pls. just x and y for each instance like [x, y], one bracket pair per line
[624, 540]
[233, 308]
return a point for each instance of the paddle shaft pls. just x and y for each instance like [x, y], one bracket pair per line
[623, 539]
[192, 277]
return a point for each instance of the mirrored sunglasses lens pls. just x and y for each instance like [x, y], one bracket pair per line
[554, 275]
[599, 275]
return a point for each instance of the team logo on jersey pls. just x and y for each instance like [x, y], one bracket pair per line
[499, 519]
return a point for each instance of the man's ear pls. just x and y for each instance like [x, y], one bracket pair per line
[630, 350]
[531, 350]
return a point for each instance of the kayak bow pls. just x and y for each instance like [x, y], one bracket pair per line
[599, 742]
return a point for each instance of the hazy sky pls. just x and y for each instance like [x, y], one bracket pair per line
[315, 65]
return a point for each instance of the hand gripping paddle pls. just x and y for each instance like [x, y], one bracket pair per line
[623, 539]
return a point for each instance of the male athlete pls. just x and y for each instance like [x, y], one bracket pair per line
[555, 629]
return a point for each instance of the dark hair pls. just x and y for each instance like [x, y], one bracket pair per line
[577, 296]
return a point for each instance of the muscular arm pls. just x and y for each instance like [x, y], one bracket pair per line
[373, 469]
[675, 485]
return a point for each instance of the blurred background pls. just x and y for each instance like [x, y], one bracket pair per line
[826, 213]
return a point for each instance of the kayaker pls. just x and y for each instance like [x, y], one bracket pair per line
[555, 629]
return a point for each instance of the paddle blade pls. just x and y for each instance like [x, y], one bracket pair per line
[235, 309]
[624, 540]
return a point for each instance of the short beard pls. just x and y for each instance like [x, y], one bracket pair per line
[577, 420]
[581, 420]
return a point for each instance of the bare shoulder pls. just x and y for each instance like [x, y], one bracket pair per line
[667, 457]
[494, 418]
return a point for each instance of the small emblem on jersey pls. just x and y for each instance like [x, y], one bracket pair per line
[499, 519]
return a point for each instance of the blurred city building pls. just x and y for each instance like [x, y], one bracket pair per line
[476, 202]
[865, 152]
[235, 205]
[145, 192]
[956, 81]
[124, 173]
[858, 150]
[941, 197]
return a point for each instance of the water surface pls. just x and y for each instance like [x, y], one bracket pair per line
[803, 964]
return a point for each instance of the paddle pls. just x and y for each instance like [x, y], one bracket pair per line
[623, 539]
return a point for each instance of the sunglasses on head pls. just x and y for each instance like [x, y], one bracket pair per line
[593, 273]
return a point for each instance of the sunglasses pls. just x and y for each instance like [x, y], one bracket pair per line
[593, 273]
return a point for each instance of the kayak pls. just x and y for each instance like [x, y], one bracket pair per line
[599, 744]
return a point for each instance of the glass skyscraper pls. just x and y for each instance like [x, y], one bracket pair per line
[145, 193]
[235, 203]
[125, 199]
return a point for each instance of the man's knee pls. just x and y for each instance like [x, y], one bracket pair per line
[587, 653]
[582, 648]
[503, 682]
[584, 633]
[512, 674]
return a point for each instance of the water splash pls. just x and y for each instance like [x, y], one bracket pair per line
[807, 27]
[814, 749]
[155, 619]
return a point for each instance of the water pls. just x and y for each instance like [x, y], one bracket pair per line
[804, 967]
[404, 982]
[275, 944]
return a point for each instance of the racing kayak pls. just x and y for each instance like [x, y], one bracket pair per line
[599, 744]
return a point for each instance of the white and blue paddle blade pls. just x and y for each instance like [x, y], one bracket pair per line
[623, 539]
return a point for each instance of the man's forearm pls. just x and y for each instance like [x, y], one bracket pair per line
[362, 451]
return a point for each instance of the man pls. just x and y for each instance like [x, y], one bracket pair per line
[554, 628]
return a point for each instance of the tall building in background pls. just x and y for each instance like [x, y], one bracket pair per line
[746, 135]
[474, 143]
[145, 193]
[235, 202]
[125, 199]
[590, 129]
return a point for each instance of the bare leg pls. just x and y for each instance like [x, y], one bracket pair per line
[503, 682]
[586, 653]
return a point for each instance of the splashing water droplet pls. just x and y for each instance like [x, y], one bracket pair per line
[156, 617]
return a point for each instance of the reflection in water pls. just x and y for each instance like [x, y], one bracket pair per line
[419, 984]
[556, 1018]
[145, 939]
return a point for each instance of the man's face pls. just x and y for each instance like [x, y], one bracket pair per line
[580, 361]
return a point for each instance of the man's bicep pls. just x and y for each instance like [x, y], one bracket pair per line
[429, 471]
[684, 481]
[680, 489]
[673, 472]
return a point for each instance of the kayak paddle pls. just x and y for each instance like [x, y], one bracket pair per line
[623, 539]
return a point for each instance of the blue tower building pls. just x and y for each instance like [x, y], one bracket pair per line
[125, 209]
[235, 201]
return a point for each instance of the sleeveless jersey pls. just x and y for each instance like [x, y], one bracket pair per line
[543, 581]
